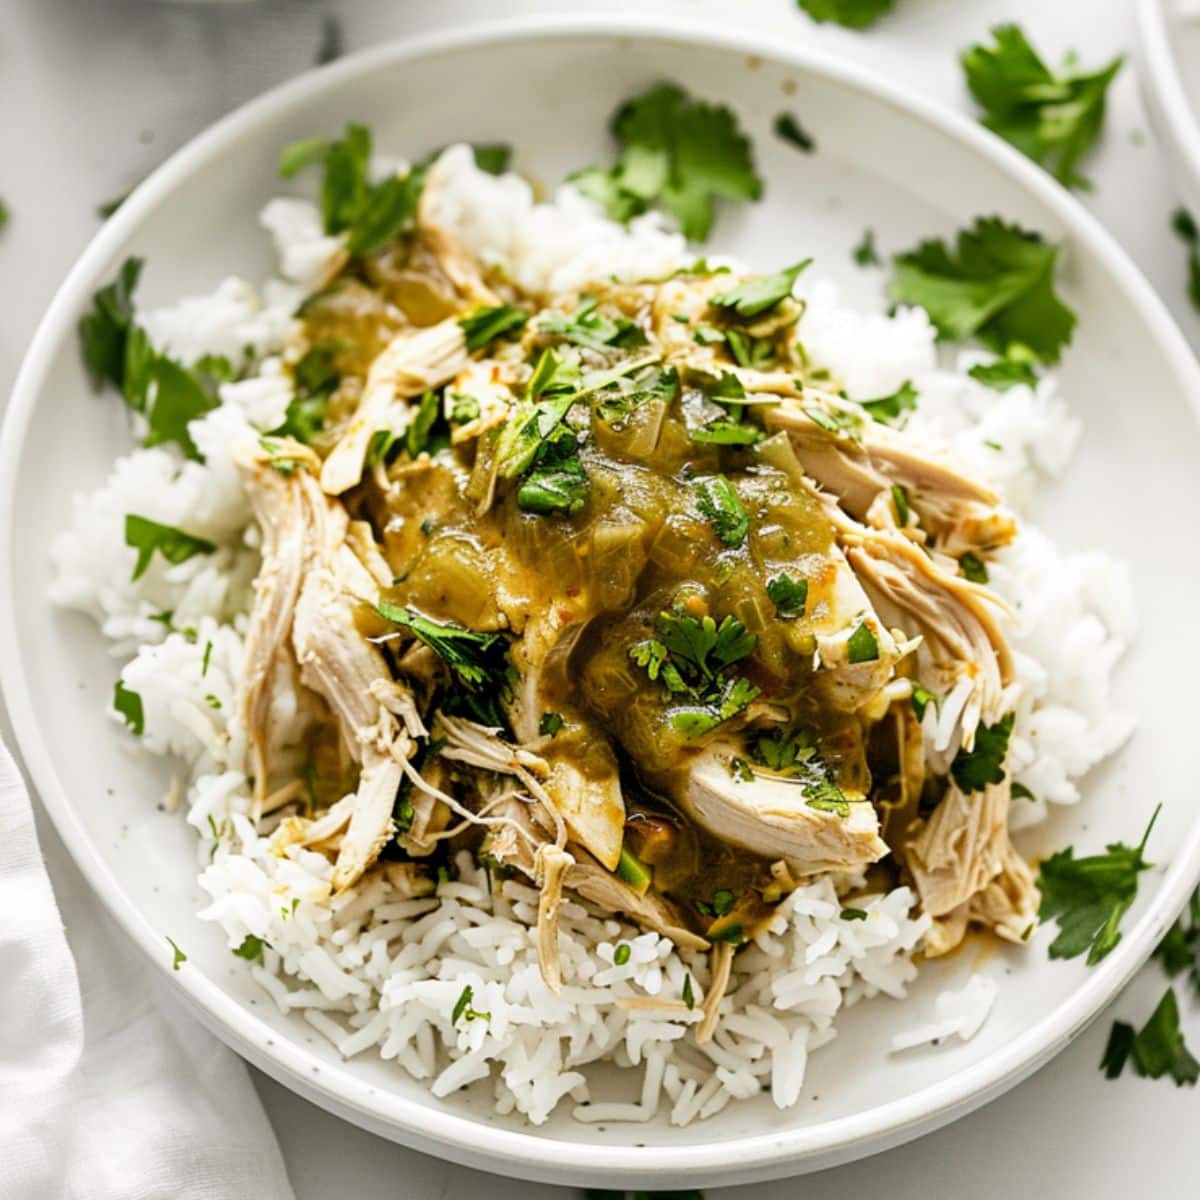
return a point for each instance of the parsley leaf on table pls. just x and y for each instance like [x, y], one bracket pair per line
[853, 14]
[1054, 119]
[997, 284]
[1157, 1049]
[1180, 948]
[677, 152]
[103, 332]
[1089, 896]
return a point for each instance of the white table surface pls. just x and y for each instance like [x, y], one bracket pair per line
[95, 93]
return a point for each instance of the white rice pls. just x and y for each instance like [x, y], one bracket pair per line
[376, 970]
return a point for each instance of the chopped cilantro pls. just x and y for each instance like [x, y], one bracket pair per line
[732, 933]
[146, 536]
[753, 297]
[1021, 792]
[862, 645]
[1180, 948]
[785, 751]
[556, 483]
[790, 130]
[251, 948]
[853, 14]
[741, 770]
[370, 214]
[983, 764]
[588, 328]
[973, 567]
[103, 332]
[484, 325]
[900, 504]
[788, 595]
[478, 662]
[679, 153]
[746, 351]
[129, 705]
[621, 953]
[316, 379]
[890, 410]
[854, 914]
[420, 436]
[689, 997]
[1053, 118]
[1004, 373]
[723, 902]
[920, 698]
[865, 253]
[550, 724]
[552, 390]
[998, 285]
[1089, 896]
[718, 503]
[463, 1009]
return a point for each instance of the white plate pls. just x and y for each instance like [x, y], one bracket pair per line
[1169, 74]
[885, 159]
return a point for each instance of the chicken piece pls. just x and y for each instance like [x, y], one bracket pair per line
[415, 361]
[456, 261]
[1009, 904]
[584, 784]
[961, 848]
[957, 512]
[342, 667]
[770, 816]
[954, 618]
[281, 515]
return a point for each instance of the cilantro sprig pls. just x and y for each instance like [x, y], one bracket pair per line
[478, 662]
[676, 152]
[718, 502]
[996, 284]
[1053, 118]
[1089, 896]
[148, 537]
[692, 657]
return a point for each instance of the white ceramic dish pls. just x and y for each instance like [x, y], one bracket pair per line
[1169, 73]
[885, 159]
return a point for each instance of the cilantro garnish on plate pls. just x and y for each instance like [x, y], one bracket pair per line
[678, 153]
[996, 283]
[853, 14]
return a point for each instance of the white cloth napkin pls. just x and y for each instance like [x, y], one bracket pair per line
[108, 1090]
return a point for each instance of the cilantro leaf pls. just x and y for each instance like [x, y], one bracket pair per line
[104, 331]
[557, 481]
[371, 215]
[1185, 227]
[588, 328]
[853, 14]
[679, 153]
[1117, 1049]
[477, 662]
[178, 958]
[753, 297]
[921, 696]
[251, 948]
[865, 253]
[1158, 1048]
[1054, 119]
[146, 536]
[719, 504]
[790, 130]
[550, 724]
[788, 595]
[1004, 373]
[862, 645]
[316, 379]
[973, 567]
[129, 705]
[1089, 896]
[890, 410]
[734, 696]
[998, 285]
[983, 764]
[484, 325]
[180, 396]
[725, 432]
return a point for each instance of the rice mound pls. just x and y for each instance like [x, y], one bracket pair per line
[377, 968]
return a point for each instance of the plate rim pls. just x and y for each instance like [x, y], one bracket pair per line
[1173, 115]
[422, 1122]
